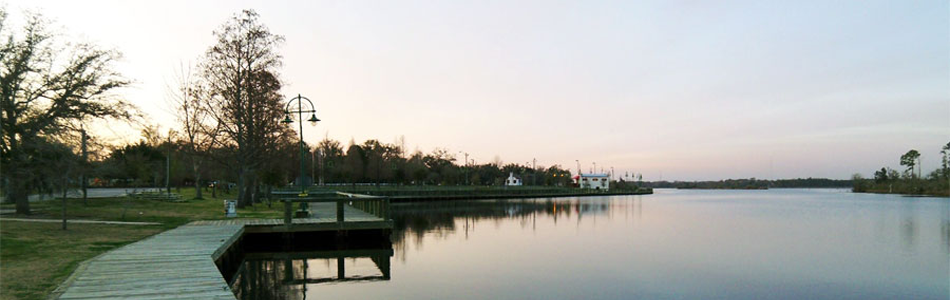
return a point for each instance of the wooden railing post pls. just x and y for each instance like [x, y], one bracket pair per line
[288, 213]
[339, 212]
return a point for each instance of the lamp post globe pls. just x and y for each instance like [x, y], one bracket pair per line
[288, 119]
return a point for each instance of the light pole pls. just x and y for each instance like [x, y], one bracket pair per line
[465, 166]
[313, 121]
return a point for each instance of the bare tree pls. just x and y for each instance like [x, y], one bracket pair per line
[187, 97]
[48, 88]
[243, 100]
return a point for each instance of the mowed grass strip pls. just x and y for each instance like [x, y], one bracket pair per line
[36, 257]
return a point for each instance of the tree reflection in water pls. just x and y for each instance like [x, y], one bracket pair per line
[270, 271]
[417, 219]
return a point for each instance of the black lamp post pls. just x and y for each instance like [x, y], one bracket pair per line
[313, 121]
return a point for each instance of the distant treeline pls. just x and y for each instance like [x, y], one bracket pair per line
[752, 183]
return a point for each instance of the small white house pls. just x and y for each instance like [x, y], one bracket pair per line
[512, 180]
[593, 181]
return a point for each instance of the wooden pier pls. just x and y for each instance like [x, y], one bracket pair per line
[180, 263]
[324, 218]
[176, 264]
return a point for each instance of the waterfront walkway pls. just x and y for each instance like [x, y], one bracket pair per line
[176, 264]
[180, 263]
[323, 219]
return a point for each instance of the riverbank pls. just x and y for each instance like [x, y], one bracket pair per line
[891, 192]
[445, 193]
[910, 187]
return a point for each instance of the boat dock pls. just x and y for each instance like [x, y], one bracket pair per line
[181, 263]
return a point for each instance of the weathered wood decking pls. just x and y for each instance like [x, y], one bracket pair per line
[180, 263]
[323, 218]
[176, 264]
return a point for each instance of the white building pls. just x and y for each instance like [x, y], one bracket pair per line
[512, 180]
[593, 181]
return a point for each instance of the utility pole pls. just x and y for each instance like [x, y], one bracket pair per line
[65, 187]
[534, 171]
[85, 163]
[466, 168]
[313, 168]
[168, 164]
[322, 164]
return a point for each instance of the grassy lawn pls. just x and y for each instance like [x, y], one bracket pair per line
[37, 257]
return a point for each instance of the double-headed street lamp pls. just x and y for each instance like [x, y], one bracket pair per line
[313, 122]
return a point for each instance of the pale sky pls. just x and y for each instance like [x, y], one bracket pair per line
[686, 90]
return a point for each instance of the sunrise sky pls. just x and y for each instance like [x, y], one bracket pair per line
[686, 90]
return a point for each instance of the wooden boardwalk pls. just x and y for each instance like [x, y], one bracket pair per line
[176, 264]
[180, 263]
[323, 219]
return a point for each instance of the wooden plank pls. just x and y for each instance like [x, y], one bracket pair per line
[176, 264]
[179, 263]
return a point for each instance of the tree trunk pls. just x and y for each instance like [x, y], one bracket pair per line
[255, 191]
[244, 191]
[197, 182]
[65, 188]
[19, 194]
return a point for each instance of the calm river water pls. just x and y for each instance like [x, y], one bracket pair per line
[675, 244]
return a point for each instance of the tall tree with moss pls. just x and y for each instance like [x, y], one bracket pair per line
[48, 89]
[242, 79]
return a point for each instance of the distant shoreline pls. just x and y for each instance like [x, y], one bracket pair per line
[413, 194]
[910, 187]
[944, 194]
[752, 184]
[723, 188]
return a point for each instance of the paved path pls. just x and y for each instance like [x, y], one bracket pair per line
[90, 193]
[176, 264]
[68, 221]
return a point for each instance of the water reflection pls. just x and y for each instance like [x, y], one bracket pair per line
[441, 218]
[290, 274]
[776, 244]
[945, 229]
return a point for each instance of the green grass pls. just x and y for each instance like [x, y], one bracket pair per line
[170, 214]
[37, 257]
